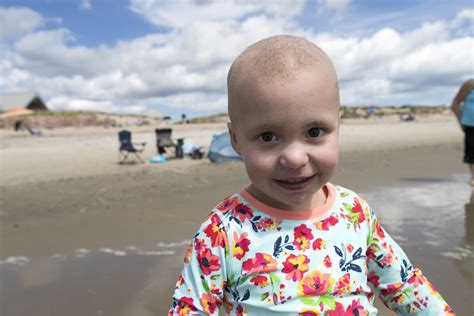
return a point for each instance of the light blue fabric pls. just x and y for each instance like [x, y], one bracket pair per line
[467, 116]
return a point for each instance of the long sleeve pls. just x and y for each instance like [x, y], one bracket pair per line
[200, 287]
[402, 288]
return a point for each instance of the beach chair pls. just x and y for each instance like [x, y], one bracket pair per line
[129, 150]
[164, 141]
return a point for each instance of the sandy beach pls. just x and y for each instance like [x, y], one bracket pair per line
[82, 235]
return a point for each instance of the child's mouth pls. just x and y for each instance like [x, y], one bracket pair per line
[295, 183]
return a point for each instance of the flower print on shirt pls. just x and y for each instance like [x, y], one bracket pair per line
[246, 260]
[295, 267]
[302, 237]
[240, 245]
[355, 213]
[216, 232]
[315, 284]
[262, 262]
[327, 223]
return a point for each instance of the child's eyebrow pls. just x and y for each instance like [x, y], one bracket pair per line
[270, 127]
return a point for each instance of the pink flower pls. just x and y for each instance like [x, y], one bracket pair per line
[314, 284]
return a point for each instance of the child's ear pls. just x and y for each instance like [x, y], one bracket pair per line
[233, 138]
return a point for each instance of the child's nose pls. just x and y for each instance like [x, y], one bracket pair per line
[294, 156]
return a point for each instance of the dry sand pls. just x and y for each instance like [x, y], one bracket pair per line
[64, 192]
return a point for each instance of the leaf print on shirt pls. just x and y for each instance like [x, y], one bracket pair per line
[345, 264]
[278, 246]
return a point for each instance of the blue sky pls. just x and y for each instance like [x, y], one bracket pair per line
[137, 55]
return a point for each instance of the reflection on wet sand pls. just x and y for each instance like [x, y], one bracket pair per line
[430, 220]
[466, 264]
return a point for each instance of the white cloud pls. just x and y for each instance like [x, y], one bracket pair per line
[180, 13]
[17, 21]
[86, 5]
[185, 68]
[333, 5]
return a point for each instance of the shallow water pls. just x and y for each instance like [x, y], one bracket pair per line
[432, 219]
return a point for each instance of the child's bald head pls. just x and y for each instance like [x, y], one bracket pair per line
[279, 58]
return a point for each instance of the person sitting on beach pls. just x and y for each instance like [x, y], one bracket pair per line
[292, 242]
[463, 108]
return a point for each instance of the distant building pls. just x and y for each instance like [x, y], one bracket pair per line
[26, 100]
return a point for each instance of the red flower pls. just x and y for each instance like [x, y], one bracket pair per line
[185, 306]
[209, 303]
[327, 262]
[417, 278]
[260, 280]
[295, 267]
[240, 246]
[240, 310]
[303, 237]
[228, 204]
[392, 289]
[378, 229]
[344, 284]
[319, 244]
[374, 279]
[303, 231]
[242, 212]
[216, 232]
[208, 262]
[261, 263]
[357, 209]
[325, 224]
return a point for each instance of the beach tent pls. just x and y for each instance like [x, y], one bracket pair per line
[221, 150]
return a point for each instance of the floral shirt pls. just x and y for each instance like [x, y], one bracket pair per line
[253, 259]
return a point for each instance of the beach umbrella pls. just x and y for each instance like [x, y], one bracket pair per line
[221, 150]
[16, 112]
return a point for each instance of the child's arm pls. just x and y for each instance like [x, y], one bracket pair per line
[200, 287]
[401, 287]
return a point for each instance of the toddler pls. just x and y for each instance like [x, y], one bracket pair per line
[292, 243]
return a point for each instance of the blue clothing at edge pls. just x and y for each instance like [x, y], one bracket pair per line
[467, 115]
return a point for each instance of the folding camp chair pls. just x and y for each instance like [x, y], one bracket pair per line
[164, 140]
[128, 149]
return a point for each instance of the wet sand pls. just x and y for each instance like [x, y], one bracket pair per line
[81, 235]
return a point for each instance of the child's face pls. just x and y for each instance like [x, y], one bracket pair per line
[287, 133]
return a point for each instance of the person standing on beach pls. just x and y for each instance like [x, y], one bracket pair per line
[463, 108]
[292, 243]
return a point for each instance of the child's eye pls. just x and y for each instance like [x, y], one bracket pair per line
[267, 137]
[315, 132]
